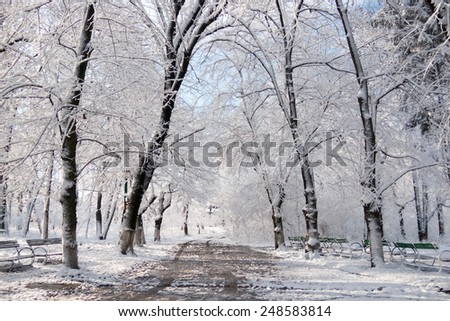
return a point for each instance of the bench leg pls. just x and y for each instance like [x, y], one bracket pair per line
[41, 254]
[26, 256]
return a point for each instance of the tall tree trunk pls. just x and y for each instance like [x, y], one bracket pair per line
[98, 217]
[163, 204]
[69, 139]
[440, 213]
[48, 194]
[402, 222]
[20, 210]
[371, 198]
[401, 208]
[310, 211]
[139, 237]
[4, 152]
[157, 233]
[3, 200]
[277, 218]
[418, 204]
[422, 207]
[110, 217]
[186, 217]
[426, 211]
[32, 198]
[402, 225]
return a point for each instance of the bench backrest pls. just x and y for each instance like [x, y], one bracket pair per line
[405, 245]
[366, 243]
[426, 246]
[295, 238]
[417, 246]
[9, 244]
[38, 242]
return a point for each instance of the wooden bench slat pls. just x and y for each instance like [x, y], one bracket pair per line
[425, 246]
[9, 244]
[38, 242]
[404, 245]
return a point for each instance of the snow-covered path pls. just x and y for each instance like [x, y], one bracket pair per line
[218, 270]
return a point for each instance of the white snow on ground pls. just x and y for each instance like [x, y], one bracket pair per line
[337, 278]
[324, 278]
[100, 263]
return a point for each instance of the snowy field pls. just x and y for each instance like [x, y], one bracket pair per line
[291, 278]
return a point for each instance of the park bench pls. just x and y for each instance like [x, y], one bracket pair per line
[331, 245]
[12, 255]
[444, 260]
[326, 244]
[298, 242]
[343, 247]
[420, 254]
[45, 250]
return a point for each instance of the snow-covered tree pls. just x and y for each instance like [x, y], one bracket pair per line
[178, 28]
[369, 181]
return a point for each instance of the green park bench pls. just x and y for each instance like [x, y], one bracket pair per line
[298, 242]
[46, 250]
[420, 254]
[343, 247]
[12, 255]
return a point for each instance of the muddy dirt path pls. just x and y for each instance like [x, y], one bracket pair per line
[198, 271]
[204, 271]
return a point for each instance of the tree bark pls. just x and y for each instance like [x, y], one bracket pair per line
[163, 204]
[46, 215]
[32, 198]
[98, 217]
[440, 213]
[69, 138]
[110, 217]
[4, 179]
[157, 233]
[310, 211]
[20, 209]
[277, 218]
[3, 202]
[139, 237]
[371, 198]
[422, 206]
[402, 222]
[186, 217]
[426, 210]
